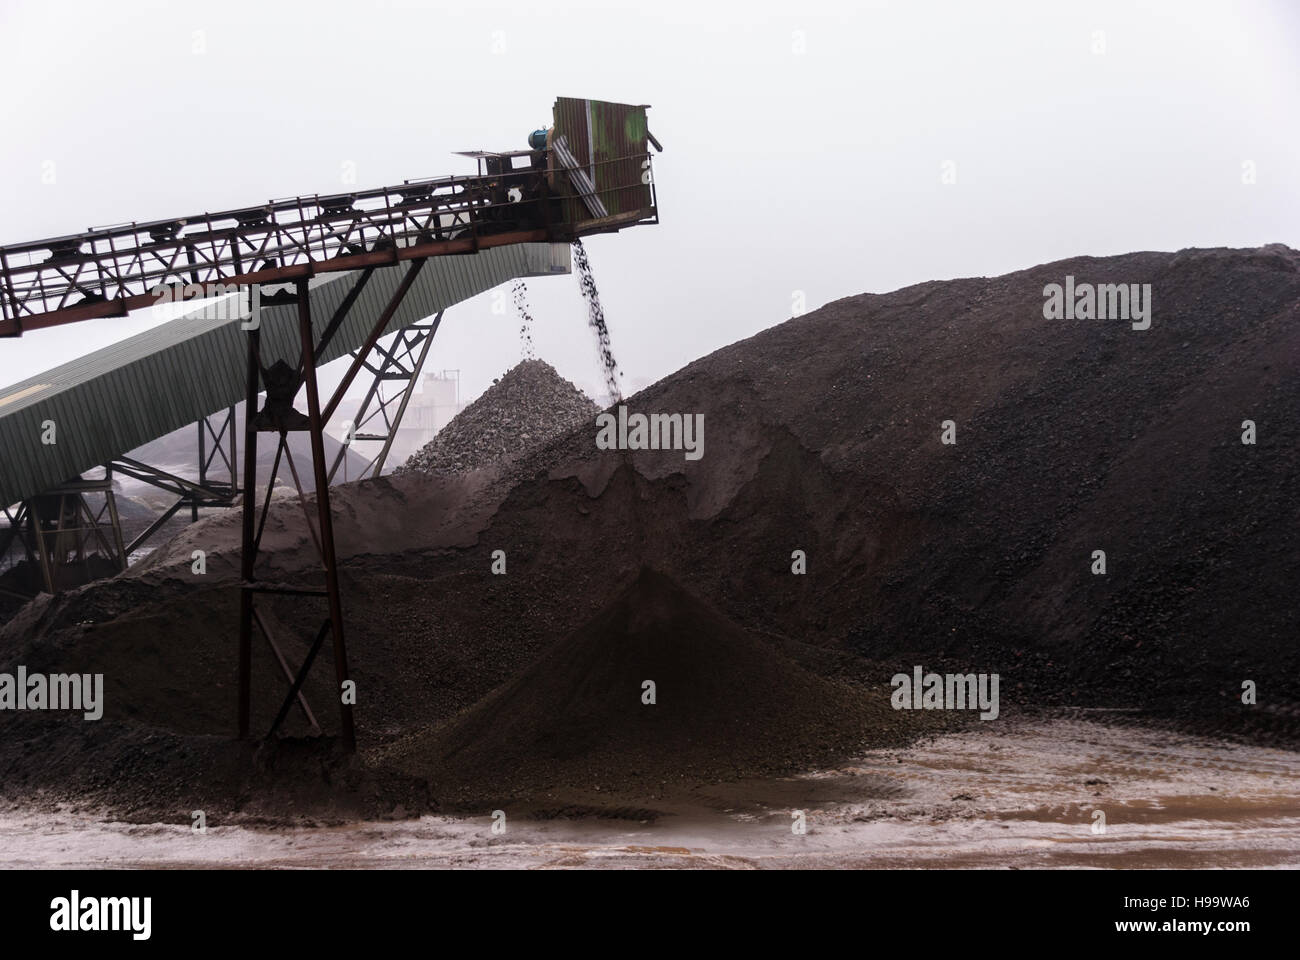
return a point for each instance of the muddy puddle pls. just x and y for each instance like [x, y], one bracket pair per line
[1076, 792]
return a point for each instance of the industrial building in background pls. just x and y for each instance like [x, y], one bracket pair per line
[433, 404]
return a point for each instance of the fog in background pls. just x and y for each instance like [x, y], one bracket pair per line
[806, 144]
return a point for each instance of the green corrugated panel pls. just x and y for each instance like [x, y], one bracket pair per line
[609, 141]
[118, 398]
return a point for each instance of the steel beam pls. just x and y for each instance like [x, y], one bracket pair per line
[402, 361]
[376, 333]
[79, 530]
[325, 524]
[248, 549]
[274, 418]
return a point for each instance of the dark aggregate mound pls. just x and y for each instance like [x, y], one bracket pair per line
[726, 704]
[822, 435]
[526, 408]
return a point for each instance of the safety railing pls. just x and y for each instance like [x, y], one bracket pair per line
[110, 270]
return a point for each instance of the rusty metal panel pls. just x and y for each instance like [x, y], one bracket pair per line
[609, 142]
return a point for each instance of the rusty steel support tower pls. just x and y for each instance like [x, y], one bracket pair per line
[279, 416]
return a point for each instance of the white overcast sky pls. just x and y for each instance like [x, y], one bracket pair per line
[816, 171]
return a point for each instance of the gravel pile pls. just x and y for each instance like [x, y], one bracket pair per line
[966, 558]
[725, 704]
[527, 407]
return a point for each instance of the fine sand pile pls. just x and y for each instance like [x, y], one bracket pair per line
[725, 705]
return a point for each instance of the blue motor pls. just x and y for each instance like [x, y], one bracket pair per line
[537, 139]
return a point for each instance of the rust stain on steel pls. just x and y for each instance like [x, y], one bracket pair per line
[609, 140]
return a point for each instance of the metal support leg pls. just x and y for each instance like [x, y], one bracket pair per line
[203, 466]
[402, 361]
[248, 553]
[116, 520]
[326, 521]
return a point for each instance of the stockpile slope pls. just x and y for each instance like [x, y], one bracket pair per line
[656, 688]
[823, 435]
[527, 407]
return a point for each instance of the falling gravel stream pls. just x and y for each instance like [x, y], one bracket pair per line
[519, 294]
[596, 319]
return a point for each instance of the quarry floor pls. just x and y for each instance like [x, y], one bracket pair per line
[1012, 795]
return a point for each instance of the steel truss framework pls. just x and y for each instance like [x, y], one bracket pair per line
[216, 447]
[399, 362]
[279, 416]
[46, 524]
[61, 530]
[108, 271]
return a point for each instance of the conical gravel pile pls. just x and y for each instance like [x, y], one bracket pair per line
[526, 408]
[657, 687]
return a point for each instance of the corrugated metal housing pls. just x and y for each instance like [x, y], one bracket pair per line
[609, 141]
[118, 398]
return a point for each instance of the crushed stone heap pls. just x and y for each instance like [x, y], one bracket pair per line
[725, 704]
[529, 406]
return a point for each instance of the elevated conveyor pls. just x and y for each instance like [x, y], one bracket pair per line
[358, 266]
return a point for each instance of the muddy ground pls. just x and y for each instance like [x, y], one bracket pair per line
[822, 435]
[1064, 791]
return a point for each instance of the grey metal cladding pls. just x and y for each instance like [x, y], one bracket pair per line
[118, 398]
